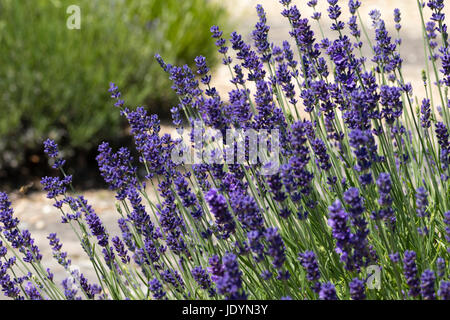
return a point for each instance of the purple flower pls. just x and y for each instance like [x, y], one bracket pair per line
[51, 149]
[353, 6]
[157, 289]
[94, 222]
[55, 186]
[444, 290]
[219, 208]
[340, 230]
[365, 151]
[266, 275]
[444, 142]
[441, 267]
[20, 240]
[212, 112]
[173, 278]
[188, 198]
[269, 116]
[276, 248]
[308, 261]
[320, 152]
[361, 253]
[126, 234]
[410, 273]
[316, 15]
[445, 58]
[216, 268]
[300, 158]
[437, 6]
[6, 213]
[154, 150]
[202, 69]
[170, 218]
[255, 244]
[61, 257]
[289, 56]
[120, 249]
[447, 229]
[427, 285]
[357, 289]
[422, 202]
[149, 254]
[328, 292]
[115, 94]
[284, 78]
[238, 75]
[426, 113]
[397, 19]
[431, 36]
[240, 107]
[89, 289]
[260, 35]
[116, 169]
[29, 249]
[185, 84]
[229, 283]
[164, 66]
[138, 215]
[395, 257]
[70, 290]
[275, 184]
[302, 33]
[277, 53]
[285, 2]
[32, 292]
[384, 185]
[354, 30]
[249, 58]
[385, 56]
[334, 12]
[220, 42]
[74, 206]
[9, 287]
[246, 210]
[201, 174]
[204, 281]
[390, 99]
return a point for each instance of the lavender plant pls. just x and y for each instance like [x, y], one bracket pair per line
[360, 182]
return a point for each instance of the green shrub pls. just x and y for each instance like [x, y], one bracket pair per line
[54, 81]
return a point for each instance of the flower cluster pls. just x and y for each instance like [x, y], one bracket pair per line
[360, 178]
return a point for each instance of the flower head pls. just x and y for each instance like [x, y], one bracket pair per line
[229, 283]
[357, 289]
[427, 284]
[219, 208]
[410, 272]
[327, 292]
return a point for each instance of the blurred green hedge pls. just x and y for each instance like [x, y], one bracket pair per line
[54, 81]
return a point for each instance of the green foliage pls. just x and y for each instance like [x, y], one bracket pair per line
[54, 81]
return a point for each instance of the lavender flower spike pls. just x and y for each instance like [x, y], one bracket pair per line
[410, 272]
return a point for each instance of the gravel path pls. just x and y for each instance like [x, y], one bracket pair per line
[41, 218]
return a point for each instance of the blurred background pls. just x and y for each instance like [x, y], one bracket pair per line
[54, 80]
